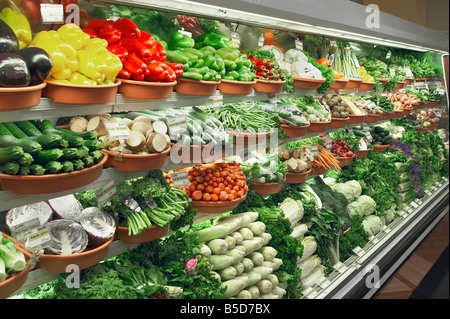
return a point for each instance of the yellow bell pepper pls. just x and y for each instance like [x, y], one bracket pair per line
[78, 78]
[73, 35]
[19, 24]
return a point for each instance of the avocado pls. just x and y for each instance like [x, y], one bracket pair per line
[8, 39]
[38, 62]
[13, 70]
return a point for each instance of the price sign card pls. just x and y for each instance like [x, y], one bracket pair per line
[180, 179]
[32, 234]
[118, 130]
[105, 192]
[177, 124]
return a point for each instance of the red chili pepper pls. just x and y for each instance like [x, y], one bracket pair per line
[252, 56]
[147, 39]
[270, 64]
[261, 68]
[135, 66]
[110, 34]
[128, 28]
[118, 50]
[261, 61]
[133, 45]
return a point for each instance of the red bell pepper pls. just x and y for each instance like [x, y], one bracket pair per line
[118, 50]
[92, 33]
[176, 67]
[128, 28]
[110, 34]
[170, 75]
[158, 52]
[135, 66]
[156, 72]
[124, 74]
[97, 24]
[147, 39]
[134, 45]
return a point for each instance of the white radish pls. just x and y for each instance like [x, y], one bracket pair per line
[218, 246]
[257, 258]
[135, 141]
[78, 124]
[246, 233]
[97, 124]
[227, 273]
[159, 127]
[264, 286]
[257, 228]
[156, 143]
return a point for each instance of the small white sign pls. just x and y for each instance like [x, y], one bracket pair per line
[32, 234]
[177, 124]
[218, 101]
[105, 192]
[180, 179]
[118, 130]
[52, 13]
[358, 251]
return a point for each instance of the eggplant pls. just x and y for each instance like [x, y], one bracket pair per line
[8, 39]
[13, 70]
[38, 62]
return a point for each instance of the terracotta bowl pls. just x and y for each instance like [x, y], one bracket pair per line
[136, 162]
[217, 207]
[293, 131]
[352, 118]
[338, 122]
[400, 85]
[88, 258]
[362, 153]
[318, 127]
[236, 87]
[433, 126]
[52, 183]
[269, 86]
[81, 94]
[268, 188]
[383, 82]
[372, 118]
[434, 103]
[345, 161]
[423, 130]
[397, 114]
[154, 232]
[193, 87]
[146, 90]
[16, 280]
[406, 111]
[353, 84]
[386, 116]
[379, 148]
[409, 81]
[317, 170]
[245, 139]
[307, 84]
[366, 86]
[339, 84]
[197, 154]
[296, 178]
[421, 79]
[20, 97]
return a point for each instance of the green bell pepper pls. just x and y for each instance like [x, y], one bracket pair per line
[192, 76]
[209, 61]
[203, 70]
[228, 53]
[229, 64]
[176, 56]
[233, 73]
[180, 40]
[208, 51]
[199, 63]
[193, 51]
[220, 63]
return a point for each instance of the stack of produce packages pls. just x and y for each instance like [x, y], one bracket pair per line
[239, 251]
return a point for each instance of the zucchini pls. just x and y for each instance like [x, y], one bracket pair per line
[67, 167]
[74, 141]
[28, 128]
[97, 156]
[47, 141]
[87, 135]
[26, 159]
[48, 155]
[28, 146]
[94, 145]
[4, 130]
[11, 153]
[36, 123]
[69, 153]
[82, 151]
[15, 130]
[78, 164]
[88, 161]
[24, 170]
[47, 125]
[52, 167]
[63, 143]
[11, 168]
[37, 169]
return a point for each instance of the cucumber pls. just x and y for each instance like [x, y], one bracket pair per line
[4, 130]
[88, 161]
[48, 155]
[11, 168]
[87, 135]
[53, 167]
[47, 141]
[74, 141]
[24, 170]
[37, 169]
[26, 159]
[11, 153]
[94, 145]
[78, 164]
[69, 153]
[28, 146]
[97, 156]
[67, 167]
[15, 130]
[28, 128]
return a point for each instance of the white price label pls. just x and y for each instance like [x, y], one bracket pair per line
[189, 34]
[235, 37]
[261, 41]
[272, 98]
[327, 139]
[350, 130]
[32, 234]
[117, 130]
[177, 125]
[151, 203]
[386, 229]
[402, 213]
[105, 192]
[340, 267]
[358, 251]
[414, 204]
[52, 13]
[180, 179]
[299, 45]
[132, 204]
[218, 101]
[373, 239]
[314, 150]
[309, 293]
[392, 72]
[324, 282]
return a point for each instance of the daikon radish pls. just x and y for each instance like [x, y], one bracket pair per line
[205, 250]
[248, 264]
[128, 122]
[156, 143]
[105, 116]
[266, 236]
[230, 241]
[234, 286]
[273, 279]
[253, 277]
[150, 131]
[141, 127]
[212, 232]
[111, 142]
[239, 268]
[216, 275]
[264, 286]
[257, 228]
[78, 124]
[254, 291]
[219, 262]
[135, 141]
[278, 291]
[274, 263]
[263, 271]
[252, 245]
[246, 233]
[244, 294]
[227, 273]
[218, 246]
[142, 119]
[257, 258]
[268, 252]
[270, 295]
[237, 237]
[115, 120]
[240, 247]
[97, 124]
[159, 127]
[236, 254]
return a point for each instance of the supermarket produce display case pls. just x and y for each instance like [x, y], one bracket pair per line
[337, 19]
